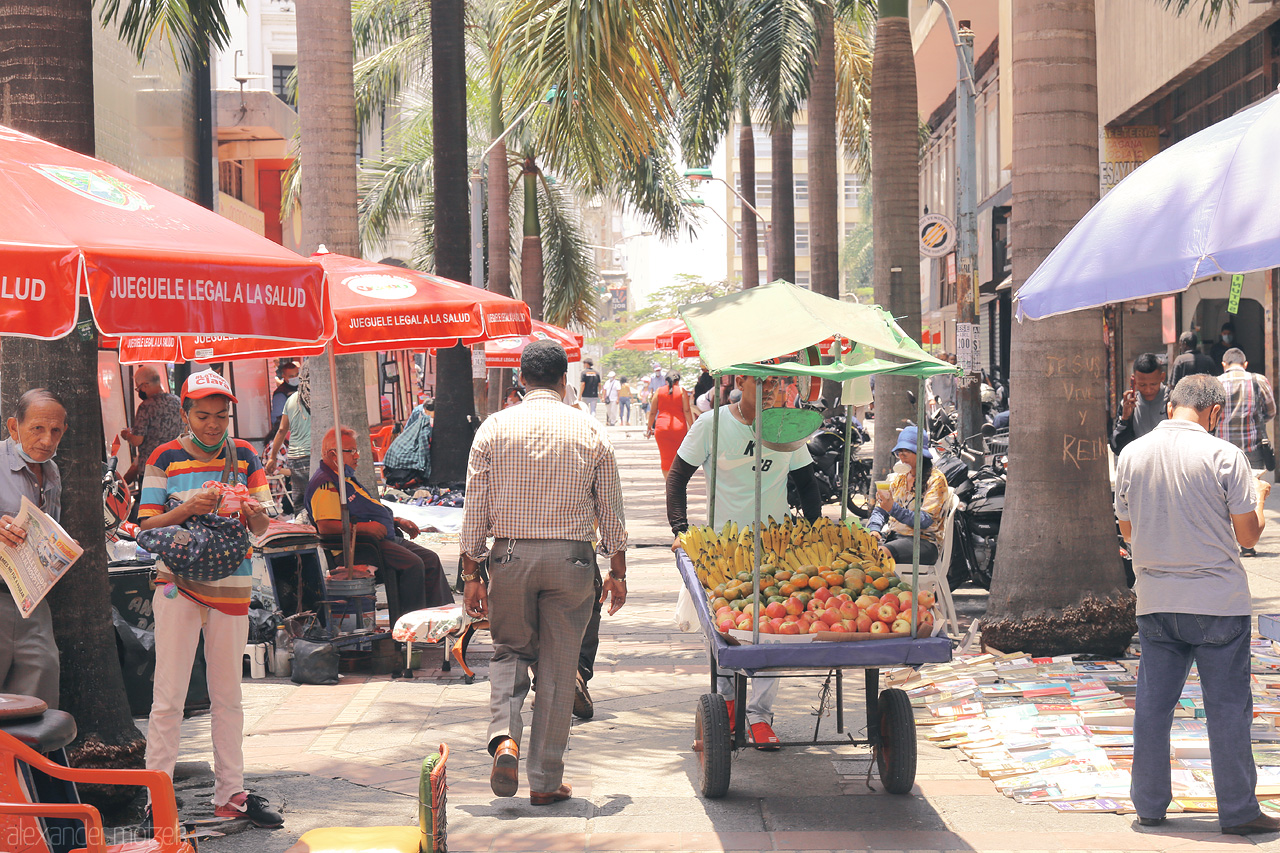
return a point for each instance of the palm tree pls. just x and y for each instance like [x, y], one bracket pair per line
[895, 201]
[1058, 587]
[327, 127]
[824, 227]
[46, 72]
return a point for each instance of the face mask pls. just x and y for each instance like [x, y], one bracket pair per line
[207, 448]
[26, 457]
[293, 382]
[142, 395]
[1226, 339]
[901, 467]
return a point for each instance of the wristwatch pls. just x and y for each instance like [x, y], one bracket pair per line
[472, 576]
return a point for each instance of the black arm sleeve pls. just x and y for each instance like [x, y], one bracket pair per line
[677, 494]
[810, 499]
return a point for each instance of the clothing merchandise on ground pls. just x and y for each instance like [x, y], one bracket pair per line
[1060, 732]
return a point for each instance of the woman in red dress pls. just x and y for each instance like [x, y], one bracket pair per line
[670, 415]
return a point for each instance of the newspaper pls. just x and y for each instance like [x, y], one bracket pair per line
[40, 561]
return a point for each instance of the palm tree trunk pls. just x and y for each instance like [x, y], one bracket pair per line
[531, 284]
[782, 241]
[1058, 585]
[46, 89]
[895, 201]
[455, 408]
[327, 124]
[499, 224]
[749, 225]
[824, 180]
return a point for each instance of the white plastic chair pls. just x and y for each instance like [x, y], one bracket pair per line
[934, 577]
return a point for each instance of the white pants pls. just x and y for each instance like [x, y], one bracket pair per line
[761, 692]
[611, 412]
[178, 622]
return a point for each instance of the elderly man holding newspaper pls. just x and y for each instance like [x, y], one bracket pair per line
[28, 653]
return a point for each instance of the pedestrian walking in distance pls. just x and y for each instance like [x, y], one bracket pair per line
[1184, 499]
[541, 480]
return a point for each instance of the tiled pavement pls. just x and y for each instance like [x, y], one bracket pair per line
[349, 754]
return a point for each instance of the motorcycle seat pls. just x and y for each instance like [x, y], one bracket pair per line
[46, 733]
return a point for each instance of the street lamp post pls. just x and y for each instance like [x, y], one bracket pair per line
[968, 399]
[699, 175]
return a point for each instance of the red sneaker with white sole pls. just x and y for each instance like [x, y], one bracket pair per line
[763, 737]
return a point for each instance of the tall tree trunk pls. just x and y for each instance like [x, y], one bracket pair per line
[327, 121]
[455, 408]
[499, 224]
[531, 283]
[747, 169]
[782, 240]
[46, 89]
[895, 206]
[824, 179]
[1058, 586]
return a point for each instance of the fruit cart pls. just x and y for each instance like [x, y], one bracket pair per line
[744, 334]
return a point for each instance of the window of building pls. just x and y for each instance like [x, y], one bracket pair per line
[764, 189]
[802, 238]
[280, 83]
[802, 279]
[231, 178]
[801, 185]
[764, 143]
[737, 241]
[852, 190]
[800, 142]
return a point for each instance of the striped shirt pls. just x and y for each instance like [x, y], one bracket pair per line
[1250, 404]
[173, 473]
[542, 470]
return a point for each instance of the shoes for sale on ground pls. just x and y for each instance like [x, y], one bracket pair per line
[583, 708]
[763, 737]
[253, 807]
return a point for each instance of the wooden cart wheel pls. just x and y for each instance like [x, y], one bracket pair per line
[711, 742]
[896, 752]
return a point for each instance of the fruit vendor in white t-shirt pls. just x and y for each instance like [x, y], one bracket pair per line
[735, 496]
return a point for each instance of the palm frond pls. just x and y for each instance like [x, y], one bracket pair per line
[778, 54]
[1210, 10]
[381, 76]
[853, 93]
[394, 189]
[710, 77]
[191, 27]
[376, 24]
[569, 285]
[609, 60]
[653, 188]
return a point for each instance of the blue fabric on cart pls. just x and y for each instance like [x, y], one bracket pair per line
[897, 651]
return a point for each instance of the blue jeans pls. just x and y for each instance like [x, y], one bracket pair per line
[1219, 646]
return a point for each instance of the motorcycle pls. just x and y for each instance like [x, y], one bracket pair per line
[826, 446]
[980, 491]
[117, 500]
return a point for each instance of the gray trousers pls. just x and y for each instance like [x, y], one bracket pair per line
[28, 653]
[299, 475]
[539, 605]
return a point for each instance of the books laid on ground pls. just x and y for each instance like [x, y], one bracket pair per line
[1060, 732]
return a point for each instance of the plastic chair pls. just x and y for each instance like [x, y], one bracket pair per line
[934, 577]
[427, 837]
[19, 817]
[381, 440]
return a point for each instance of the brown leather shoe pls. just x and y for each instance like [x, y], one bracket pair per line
[1261, 823]
[559, 795]
[583, 707]
[506, 763]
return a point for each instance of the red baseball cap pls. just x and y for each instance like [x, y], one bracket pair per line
[206, 383]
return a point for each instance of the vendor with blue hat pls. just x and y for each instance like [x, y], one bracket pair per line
[894, 517]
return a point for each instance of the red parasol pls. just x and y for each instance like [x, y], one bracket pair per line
[150, 261]
[646, 337]
[505, 352]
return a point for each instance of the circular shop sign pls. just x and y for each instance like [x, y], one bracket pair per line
[381, 286]
[937, 235]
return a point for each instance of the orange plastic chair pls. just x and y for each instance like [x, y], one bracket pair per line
[381, 440]
[19, 825]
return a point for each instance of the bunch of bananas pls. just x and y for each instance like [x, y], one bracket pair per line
[792, 544]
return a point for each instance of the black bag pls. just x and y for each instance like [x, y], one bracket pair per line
[314, 663]
[952, 467]
[1268, 454]
[204, 548]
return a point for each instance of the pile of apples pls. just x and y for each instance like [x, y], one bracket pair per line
[828, 611]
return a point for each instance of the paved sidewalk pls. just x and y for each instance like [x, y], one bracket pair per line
[349, 754]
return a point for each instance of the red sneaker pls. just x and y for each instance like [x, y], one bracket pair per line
[763, 737]
[253, 807]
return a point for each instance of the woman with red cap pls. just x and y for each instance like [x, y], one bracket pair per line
[173, 491]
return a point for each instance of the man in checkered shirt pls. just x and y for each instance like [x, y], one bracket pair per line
[1250, 405]
[542, 480]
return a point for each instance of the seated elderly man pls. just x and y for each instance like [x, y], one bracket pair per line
[421, 578]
